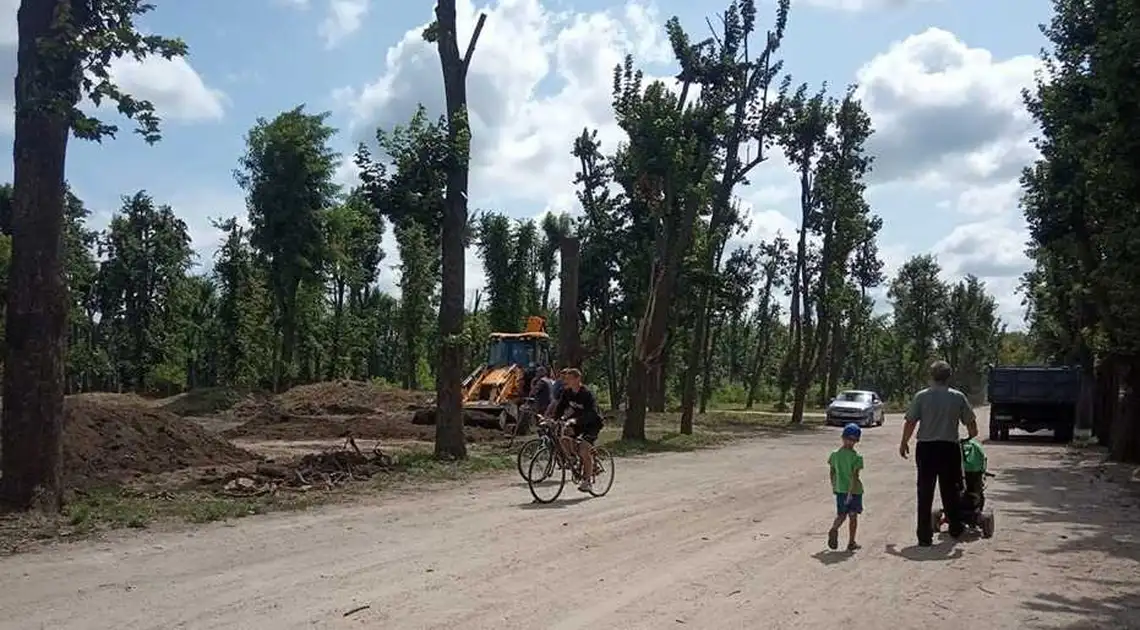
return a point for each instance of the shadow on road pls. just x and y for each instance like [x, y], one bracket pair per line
[1101, 507]
[556, 505]
[1120, 610]
[941, 552]
[827, 557]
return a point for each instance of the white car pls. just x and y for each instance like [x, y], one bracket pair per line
[860, 406]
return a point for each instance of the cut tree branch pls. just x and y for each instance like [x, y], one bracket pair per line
[474, 40]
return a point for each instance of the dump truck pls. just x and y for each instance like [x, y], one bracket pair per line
[1033, 398]
[494, 391]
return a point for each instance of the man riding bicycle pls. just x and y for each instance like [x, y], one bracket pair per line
[583, 424]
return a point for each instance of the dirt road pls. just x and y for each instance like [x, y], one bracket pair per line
[724, 539]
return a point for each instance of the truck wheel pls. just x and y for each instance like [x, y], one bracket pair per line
[1063, 434]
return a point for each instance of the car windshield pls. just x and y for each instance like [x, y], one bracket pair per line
[854, 397]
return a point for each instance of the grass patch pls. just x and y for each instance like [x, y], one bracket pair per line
[421, 465]
[117, 507]
[710, 430]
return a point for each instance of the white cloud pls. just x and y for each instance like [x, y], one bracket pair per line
[944, 111]
[855, 6]
[948, 117]
[176, 89]
[344, 18]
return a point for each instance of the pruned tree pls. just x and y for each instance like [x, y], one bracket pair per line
[449, 440]
[64, 54]
[742, 84]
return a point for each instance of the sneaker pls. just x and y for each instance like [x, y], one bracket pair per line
[926, 543]
[854, 546]
[585, 486]
[833, 539]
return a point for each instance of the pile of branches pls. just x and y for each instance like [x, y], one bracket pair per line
[329, 470]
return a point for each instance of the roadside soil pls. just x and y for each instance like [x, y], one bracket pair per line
[725, 539]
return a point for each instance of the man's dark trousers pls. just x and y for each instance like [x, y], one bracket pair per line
[941, 463]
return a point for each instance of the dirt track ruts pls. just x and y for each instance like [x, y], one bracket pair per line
[720, 539]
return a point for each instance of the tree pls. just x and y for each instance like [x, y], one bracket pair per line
[417, 282]
[287, 173]
[496, 242]
[807, 119]
[449, 440]
[65, 52]
[919, 298]
[749, 119]
[146, 254]
[555, 227]
[352, 232]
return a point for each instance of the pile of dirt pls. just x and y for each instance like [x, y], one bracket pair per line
[347, 398]
[204, 401]
[109, 438]
[277, 424]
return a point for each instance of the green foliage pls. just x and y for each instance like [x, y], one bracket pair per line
[89, 37]
[146, 253]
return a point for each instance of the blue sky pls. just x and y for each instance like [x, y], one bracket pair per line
[940, 78]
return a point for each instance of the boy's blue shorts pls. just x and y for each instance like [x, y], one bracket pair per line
[842, 506]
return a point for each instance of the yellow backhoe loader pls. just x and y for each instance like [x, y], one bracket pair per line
[493, 392]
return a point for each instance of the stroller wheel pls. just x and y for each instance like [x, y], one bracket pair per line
[936, 520]
[987, 522]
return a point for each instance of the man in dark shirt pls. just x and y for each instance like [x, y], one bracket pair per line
[541, 390]
[579, 407]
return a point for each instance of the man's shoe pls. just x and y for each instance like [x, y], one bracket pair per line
[585, 486]
[925, 543]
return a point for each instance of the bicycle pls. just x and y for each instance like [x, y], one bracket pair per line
[549, 463]
[546, 438]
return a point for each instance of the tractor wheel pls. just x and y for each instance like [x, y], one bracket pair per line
[424, 417]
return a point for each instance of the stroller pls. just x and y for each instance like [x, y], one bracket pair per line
[972, 500]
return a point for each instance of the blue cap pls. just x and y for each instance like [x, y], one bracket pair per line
[852, 431]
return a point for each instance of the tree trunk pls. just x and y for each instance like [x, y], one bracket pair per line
[31, 437]
[570, 346]
[763, 334]
[659, 384]
[1107, 400]
[1125, 445]
[338, 330]
[706, 377]
[449, 439]
[838, 347]
[611, 361]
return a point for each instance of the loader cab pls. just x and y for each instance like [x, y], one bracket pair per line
[521, 349]
[527, 349]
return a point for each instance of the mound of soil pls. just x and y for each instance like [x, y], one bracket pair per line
[205, 401]
[346, 398]
[280, 425]
[114, 439]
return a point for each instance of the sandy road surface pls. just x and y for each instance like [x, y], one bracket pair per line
[723, 539]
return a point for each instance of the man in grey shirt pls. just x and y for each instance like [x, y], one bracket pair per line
[937, 411]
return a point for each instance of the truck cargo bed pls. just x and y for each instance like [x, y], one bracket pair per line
[1032, 398]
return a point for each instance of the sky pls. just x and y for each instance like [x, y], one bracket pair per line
[941, 80]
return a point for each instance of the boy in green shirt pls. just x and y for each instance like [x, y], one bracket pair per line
[846, 464]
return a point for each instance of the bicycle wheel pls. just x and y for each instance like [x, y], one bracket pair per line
[526, 452]
[545, 477]
[603, 472]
